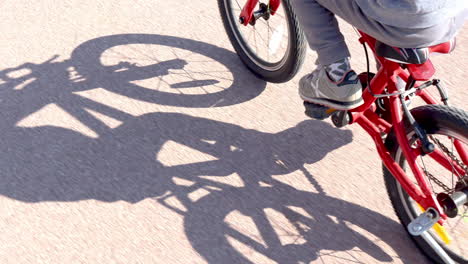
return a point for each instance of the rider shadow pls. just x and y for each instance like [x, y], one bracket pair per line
[131, 162]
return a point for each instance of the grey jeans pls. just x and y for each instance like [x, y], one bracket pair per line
[317, 18]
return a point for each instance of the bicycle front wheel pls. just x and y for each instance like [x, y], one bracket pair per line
[271, 46]
[444, 125]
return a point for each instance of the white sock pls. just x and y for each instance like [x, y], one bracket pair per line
[337, 70]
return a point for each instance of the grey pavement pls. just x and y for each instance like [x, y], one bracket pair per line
[132, 133]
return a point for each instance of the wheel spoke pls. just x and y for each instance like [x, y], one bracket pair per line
[240, 8]
[257, 37]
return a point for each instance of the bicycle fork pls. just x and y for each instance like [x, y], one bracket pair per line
[248, 14]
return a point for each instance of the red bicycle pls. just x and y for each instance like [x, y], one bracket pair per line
[423, 149]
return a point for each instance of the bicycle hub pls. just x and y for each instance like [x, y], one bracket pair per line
[451, 203]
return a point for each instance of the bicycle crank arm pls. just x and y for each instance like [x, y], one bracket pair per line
[341, 118]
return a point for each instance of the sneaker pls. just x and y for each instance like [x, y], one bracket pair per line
[318, 88]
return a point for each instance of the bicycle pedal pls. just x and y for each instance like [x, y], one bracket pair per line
[423, 222]
[317, 111]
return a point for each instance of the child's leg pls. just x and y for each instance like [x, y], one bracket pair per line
[321, 29]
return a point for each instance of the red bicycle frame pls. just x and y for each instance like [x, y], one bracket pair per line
[365, 116]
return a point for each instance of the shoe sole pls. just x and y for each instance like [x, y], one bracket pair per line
[333, 104]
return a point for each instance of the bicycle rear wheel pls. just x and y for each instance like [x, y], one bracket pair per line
[443, 125]
[273, 46]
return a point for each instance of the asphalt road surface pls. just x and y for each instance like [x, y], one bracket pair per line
[132, 133]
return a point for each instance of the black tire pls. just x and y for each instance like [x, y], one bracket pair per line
[434, 119]
[276, 72]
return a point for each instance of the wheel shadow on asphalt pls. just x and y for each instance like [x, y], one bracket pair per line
[129, 66]
[132, 161]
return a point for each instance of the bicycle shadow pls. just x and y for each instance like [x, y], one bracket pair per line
[128, 163]
[47, 163]
[132, 162]
[126, 73]
[243, 87]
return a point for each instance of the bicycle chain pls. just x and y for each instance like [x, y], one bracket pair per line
[441, 184]
[453, 157]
